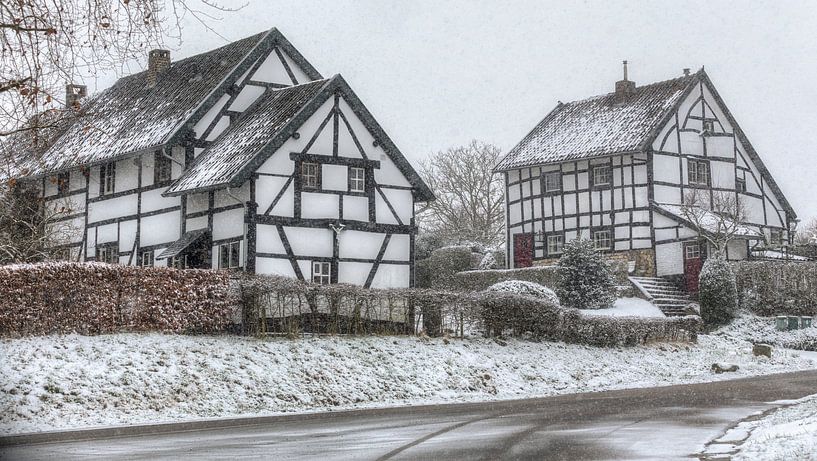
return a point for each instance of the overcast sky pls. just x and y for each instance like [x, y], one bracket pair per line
[439, 73]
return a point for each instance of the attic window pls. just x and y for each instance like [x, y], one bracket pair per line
[107, 178]
[553, 181]
[698, 172]
[740, 185]
[602, 175]
[63, 182]
[162, 168]
[709, 127]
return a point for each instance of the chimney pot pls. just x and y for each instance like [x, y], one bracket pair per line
[624, 88]
[686, 71]
[73, 95]
[158, 62]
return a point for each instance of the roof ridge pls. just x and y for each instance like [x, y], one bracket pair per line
[661, 82]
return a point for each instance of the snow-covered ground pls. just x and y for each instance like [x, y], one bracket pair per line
[762, 330]
[627, 307]
[789, 433]
[56, 382]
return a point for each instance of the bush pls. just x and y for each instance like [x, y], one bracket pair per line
[437, 270]
[777, 287]
[584, 278]
[525, 288]
[717, 291]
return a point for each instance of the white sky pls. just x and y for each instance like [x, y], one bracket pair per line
[440, 73]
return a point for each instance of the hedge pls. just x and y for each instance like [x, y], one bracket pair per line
[95, 298]
[543, 275]
[770, 288]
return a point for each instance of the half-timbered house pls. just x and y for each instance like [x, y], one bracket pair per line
[618, 169]
[243, 157]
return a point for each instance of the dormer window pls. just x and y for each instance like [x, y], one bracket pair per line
[310, 175]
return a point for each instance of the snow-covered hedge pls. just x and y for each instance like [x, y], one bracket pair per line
[436, 270]
[541, 319]
[776, 287]
[95, 298]
[717, 293]
[525, 288]
[480, 280]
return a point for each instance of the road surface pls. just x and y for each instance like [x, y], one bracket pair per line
[652, 423]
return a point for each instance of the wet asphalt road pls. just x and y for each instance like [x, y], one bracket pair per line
[652, 423]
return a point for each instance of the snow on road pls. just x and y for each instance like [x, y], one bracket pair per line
[789, 433]
[57, 382]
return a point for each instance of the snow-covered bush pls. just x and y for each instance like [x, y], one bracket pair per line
[585, 279]
[777, 287]
[94, 298]
[437, 270]
[717, 291]
[523, 287]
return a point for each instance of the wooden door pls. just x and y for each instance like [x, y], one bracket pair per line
[522, 250]
[693, 262]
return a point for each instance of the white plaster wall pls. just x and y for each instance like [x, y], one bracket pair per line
[267, 188]
[334, 177]
[152, 200]
[107, 233]
[360, 245]
[272, 71]
[248, 95]
[112, 208]
[399, 248]
[401, 200]
[391, 276]
[127, 235]
[196, 202]
[162, 228]
[316, 205]
[354, 273]
[310, 241]
[665, 168]
[275, 266]
[234, 196]
[196, 223]
[268, 240]
[355, 208]
[228, 224]
[221, 125]
[720, 146]
[210, 116]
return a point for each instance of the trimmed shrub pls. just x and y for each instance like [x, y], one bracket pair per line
[777, 287]
[95, 298]
[584, 278]
[522, 287]
[717, 291]
[437, 270]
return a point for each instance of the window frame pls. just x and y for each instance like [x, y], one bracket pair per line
[560, 245]
[178, 262]
[697, 172]
[232, 252]
[352, 179]
[151, 259]
[558, 175]
[111, 252]
[693, 245]
[162, 165]
[320, 275]
[708, 126]
[107, 177]
[594, 179]
[306, 176]
[742, 188]
[609, 239]
[63, 183]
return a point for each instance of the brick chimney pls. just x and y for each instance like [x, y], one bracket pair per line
[158, 62]
[624, 88]
[73, 95]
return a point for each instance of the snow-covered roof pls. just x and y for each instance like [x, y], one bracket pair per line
[599, 126]
[708, 220]
[256, 127]
[131, 116]
[773, 254]
[187, 239]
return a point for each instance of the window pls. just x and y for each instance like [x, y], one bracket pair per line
[108, 253]
[553, 181]
[162, 168]
[601, 175]
[179, 262]
[555, 244]
[740, 185]
[146, 259]
[321, 273]
[698, 171]
[692, 251]
[107, 178]
[310, 175]
[228, 255]
[63, 182]
[709, 126]
[602, 240]
[357, 179]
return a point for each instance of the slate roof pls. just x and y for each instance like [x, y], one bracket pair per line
[180, 245]
[130, 117]
[599, 126]
[256, 127]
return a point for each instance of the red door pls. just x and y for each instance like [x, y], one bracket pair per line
[693, 261]
[522, 250]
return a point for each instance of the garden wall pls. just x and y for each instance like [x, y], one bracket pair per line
[94, 298]
[777, 287]
[543, 275]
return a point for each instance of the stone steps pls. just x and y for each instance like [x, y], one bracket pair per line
[664, 294]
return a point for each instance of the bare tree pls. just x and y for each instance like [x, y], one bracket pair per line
[807, 233]
[469, 200]
[719, 216]
[46, 44]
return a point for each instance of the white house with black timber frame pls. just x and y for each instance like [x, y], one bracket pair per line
[241, 157]
[617, 169]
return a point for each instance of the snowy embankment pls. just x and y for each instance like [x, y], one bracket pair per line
[786, 434]
[56, 382]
